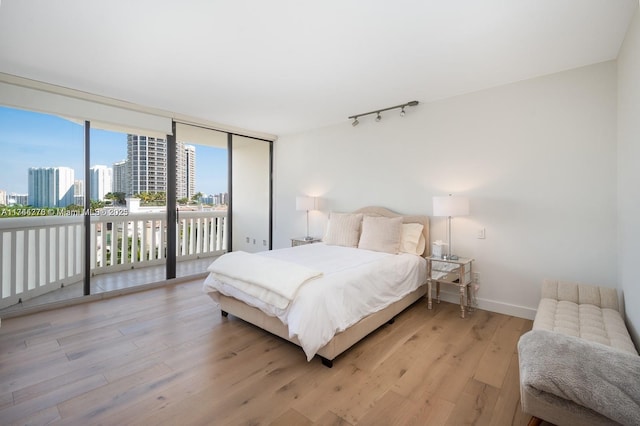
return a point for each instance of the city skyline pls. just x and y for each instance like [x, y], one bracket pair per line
[30, 140]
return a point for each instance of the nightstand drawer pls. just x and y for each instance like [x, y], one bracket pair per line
[449, 277]
[450, 272]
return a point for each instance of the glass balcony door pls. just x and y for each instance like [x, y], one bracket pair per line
[128, 199]
[201, 197]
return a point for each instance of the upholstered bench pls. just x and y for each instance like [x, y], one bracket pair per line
[585, 311]
[578, 364]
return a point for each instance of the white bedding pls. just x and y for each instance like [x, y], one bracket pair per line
[354, 284]
[272, 280]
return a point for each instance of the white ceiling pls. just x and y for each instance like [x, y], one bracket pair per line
[284, 66]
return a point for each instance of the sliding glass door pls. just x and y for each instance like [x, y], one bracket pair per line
[201, 197]
[128, 197]
[230, 203]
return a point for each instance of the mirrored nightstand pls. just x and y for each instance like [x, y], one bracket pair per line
[455, 272]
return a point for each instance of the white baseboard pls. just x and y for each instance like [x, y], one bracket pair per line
[493, 306]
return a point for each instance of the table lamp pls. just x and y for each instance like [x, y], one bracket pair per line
[306, 204]
[450, 206]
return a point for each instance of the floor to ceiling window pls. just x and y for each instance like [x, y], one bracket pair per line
[41, 206]
[89, 207]
[202, 197]
[128, 187]
[70, 223]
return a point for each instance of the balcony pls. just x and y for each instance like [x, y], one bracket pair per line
[40, 255]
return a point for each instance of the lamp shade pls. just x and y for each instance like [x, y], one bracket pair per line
[305, 203]
[450, 206]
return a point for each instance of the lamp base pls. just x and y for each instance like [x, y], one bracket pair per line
[307, 238]
[450, 257]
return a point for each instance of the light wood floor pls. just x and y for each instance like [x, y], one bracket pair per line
[166, 356]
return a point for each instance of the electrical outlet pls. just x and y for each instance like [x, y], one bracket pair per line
[476, 277]
[248, 240]
[481, 233]
[264, 242]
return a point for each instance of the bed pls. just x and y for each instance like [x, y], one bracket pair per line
[355, 290]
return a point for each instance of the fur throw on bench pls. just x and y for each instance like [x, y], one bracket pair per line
[592, 375]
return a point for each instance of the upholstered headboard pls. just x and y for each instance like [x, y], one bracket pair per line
[382, 211]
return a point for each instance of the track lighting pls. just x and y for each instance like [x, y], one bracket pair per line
[377, 112]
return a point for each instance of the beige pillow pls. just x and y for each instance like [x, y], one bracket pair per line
[422, 245]
[410, 241]
[381, 234]
[343, 229]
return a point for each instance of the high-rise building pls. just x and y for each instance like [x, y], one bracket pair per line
[51, 186]
[146, 166]
[21, 199]
[120, 182]
[100, 182]
[221, 199]
[208, 199]
[185, 170]
[3, 197]
[78, 192]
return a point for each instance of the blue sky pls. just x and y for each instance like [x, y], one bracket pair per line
[30, 139]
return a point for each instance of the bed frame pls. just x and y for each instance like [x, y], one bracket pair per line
[344, 340]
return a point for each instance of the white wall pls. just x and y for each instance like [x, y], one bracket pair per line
[629, 174]
[250, 180]
[536, 158]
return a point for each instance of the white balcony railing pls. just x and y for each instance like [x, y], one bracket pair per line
[42, 254]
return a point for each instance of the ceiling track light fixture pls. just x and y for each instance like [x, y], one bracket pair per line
[378, 111]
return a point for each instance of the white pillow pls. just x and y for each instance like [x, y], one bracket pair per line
[343, 229]
[411, 241]
[381, 234]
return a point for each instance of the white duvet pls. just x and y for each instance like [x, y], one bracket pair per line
[271, 280]
[354, 284]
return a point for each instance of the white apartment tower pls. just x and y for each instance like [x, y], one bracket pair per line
[185, 170]
[146, 166]
[78, 192]
[51, 186]
[120, 182]
[100, 182]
